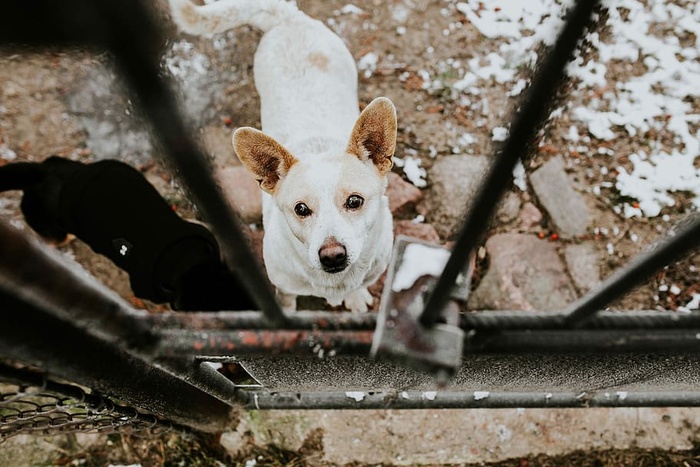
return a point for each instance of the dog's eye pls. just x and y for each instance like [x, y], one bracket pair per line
[354, 202]
[302, 210]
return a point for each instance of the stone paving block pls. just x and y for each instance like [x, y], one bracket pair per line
[525, 273]
[582, 262]
[565, 205]
[403, 196]
[454, 180]
[242, 191]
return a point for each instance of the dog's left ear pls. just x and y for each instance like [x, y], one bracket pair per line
[264, 157]
[374, 135]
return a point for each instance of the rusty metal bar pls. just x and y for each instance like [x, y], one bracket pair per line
[522, 132]
[183, 343]
[476, 399]
[236, 320]
[482, 320]
[179, 343]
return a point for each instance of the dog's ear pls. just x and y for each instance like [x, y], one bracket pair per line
[264, 157]
[374, 135]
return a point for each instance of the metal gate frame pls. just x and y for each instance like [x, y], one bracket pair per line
[76, 329]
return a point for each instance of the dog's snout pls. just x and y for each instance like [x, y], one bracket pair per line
[333, 256]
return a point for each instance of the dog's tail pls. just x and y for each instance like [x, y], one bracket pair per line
[20, 175]
[223, 15]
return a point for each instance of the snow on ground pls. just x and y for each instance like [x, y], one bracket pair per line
[657, 99]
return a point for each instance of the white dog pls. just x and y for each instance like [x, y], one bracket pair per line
[322, 166]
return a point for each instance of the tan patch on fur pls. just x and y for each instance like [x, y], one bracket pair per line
[264, 157]
[374, 134]
[319, 60]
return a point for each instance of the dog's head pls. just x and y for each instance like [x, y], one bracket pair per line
[330, 201]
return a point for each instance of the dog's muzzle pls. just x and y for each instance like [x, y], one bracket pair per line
[333, 257]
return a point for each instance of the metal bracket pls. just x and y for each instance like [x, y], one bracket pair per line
[399, 336]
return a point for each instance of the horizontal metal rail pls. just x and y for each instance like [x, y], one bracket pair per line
[482, 320]
[478, 399]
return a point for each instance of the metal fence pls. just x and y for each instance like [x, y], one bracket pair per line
[76, 330]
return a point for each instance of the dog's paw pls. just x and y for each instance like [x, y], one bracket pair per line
[359, 300]
[288, 302]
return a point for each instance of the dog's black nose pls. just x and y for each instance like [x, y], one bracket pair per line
[333, 256]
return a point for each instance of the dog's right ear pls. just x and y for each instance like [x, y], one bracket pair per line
[264, 157]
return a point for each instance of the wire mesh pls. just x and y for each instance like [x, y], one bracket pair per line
[32, 404]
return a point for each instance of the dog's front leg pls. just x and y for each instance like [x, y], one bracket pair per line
[287, 301]
[359, 300]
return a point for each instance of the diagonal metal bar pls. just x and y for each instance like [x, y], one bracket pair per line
[522, 133]
[127, 30]
[685, 238]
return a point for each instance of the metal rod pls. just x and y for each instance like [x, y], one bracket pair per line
[482, 320]
[236, 320]
[476, 399]
[680, 242]
[179, 343]
[522, 132]
[141, 72]
[38, 275]
[183, 343]
[36, 337]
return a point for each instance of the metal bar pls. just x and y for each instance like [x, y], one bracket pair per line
[318, 320]
[200, 375]
[522, 133]
[482, 320]
[141, 72]
[38, 275]
[180, 343]
[680, 242]
[382, 400]
[534, 320]
[127, 30]
[584, 341]
[33, 336]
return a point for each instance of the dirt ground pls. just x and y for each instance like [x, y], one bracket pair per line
[71, 104]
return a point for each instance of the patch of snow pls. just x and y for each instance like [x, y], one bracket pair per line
[419, 260]
[359, 396]
[693, 304]
[479, 395]
[7, 153]
[499, 133]
[429, 395]
[368, 64]
[412, 168]
[351, 9]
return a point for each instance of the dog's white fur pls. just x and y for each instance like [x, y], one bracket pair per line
[316, 149]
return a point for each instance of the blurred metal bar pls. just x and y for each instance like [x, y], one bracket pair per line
[181, 343]
[127, 30]
[184, 343]
[681, 241]
[33, 335]
[382, 400]
[37, 274]
[542, 89]
[237, 320]
[482, 320]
